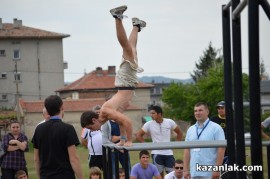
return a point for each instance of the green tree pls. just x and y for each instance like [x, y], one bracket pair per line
[209, 59]
[181, 98]
[175, 98]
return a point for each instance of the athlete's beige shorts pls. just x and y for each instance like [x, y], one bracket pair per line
[127, 74]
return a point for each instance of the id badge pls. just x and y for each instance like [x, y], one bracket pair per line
[196, 149]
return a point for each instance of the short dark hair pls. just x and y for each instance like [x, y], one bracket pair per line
[87, 118]
[178, 161]
[202, 104]
[144, 152]
[121, 170]
[158, 109]
[53, 105]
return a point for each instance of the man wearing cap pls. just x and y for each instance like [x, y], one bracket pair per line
[221, 117]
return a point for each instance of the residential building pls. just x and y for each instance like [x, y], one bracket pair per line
[31, 113]
[100, 84]
[31, 63]
[156, 92]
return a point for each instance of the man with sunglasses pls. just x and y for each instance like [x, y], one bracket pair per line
[178, 171]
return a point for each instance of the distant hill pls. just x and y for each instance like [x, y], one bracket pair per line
[162, 79]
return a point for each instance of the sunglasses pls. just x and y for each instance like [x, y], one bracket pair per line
[177, 168]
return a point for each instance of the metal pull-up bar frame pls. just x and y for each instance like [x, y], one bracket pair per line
[235, 136]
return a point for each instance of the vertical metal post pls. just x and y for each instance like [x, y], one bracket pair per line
[126, 164]
[254, 83]
[116, 163]
[104, 158]
[17, 95]
[238, 92]
[268, 160]
[109, 169]
[228, 87]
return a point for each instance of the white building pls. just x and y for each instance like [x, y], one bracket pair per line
[31, 63]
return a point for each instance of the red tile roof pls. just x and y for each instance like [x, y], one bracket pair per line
[94, 81]
[8, 31]
[69, 105]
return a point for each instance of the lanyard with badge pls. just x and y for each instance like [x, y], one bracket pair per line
[199, 134]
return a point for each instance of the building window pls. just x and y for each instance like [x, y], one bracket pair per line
[4, 97]
[16, 55]
[17, 76]
[16, 42]
[3, 75]
[75, 95]
[157, 90]
[2, 53]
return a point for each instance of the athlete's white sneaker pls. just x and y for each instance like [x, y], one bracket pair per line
[139, 23]
[118, 12]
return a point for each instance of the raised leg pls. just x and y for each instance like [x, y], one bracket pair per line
[133, 38]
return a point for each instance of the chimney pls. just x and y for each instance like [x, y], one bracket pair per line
[99, 71]
[1, 24]
[111, 70]
[17, 23]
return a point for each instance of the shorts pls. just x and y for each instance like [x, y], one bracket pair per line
[127, 75]
[96, 161]
[163, 162]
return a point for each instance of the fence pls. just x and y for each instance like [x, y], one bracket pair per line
[109, 148]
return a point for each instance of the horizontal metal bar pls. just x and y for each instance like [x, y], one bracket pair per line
[239, 9]
[227, 6]
[266, 7]
[177, 145]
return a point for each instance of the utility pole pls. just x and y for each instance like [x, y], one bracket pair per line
[17, 94]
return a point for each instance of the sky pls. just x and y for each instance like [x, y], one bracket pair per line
[177, 32]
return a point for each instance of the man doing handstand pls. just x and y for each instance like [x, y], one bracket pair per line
[125, 80]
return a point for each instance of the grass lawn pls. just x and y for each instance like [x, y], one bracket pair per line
[134, 157]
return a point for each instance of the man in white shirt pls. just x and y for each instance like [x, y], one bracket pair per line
[160, 130]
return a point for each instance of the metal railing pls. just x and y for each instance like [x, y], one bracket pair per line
[109, 148]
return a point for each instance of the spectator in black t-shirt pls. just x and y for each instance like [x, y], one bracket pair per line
[221, 118]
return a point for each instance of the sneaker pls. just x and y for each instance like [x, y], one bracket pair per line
[118, 12]
[139, 23]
